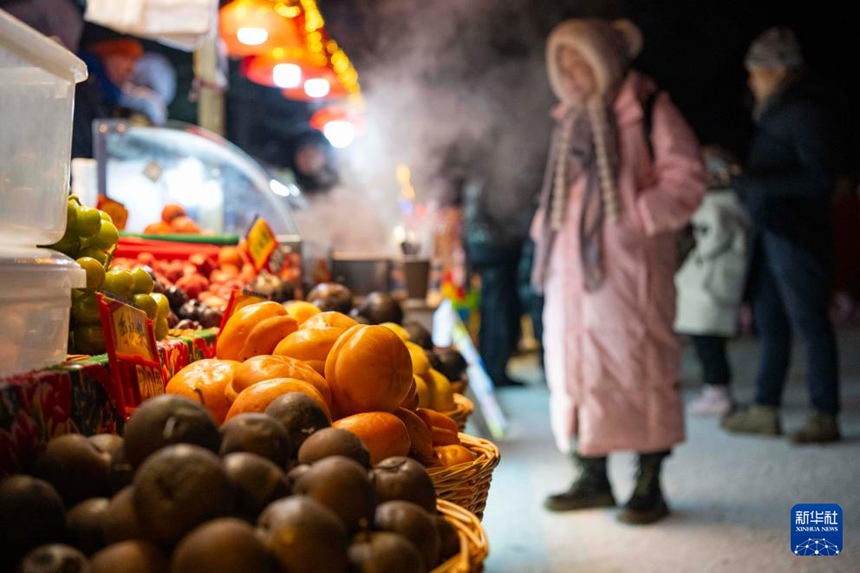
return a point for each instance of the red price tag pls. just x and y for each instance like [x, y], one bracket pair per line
[135, 366]
[261, 243]
[117, 211]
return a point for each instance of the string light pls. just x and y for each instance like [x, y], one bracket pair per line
[317, 87]
[251, 27]
[318, 49]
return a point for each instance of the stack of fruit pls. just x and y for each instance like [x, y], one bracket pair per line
[208, 278]
[174, 220]
[369, 379]
[179, 493]
[89, 233]
[382, 308]
[91, 238]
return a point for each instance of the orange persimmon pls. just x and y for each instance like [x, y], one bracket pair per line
[257, 397]
[383, 433]
[205, 381]
[368, 369]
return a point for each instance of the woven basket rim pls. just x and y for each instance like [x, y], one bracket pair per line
[468, 484]
[463, 402]
[464, 406]
[464, 409]
[474, 542]
[488, 458]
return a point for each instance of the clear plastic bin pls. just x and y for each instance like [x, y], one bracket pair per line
[37, 90]
[35, 300]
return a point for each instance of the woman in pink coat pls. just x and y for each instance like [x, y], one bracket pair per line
[614, 194]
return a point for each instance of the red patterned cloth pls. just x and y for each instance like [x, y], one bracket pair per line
[74, 397]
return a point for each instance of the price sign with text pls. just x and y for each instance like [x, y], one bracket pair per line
[135, 366]
[117, 211]
[262, 243]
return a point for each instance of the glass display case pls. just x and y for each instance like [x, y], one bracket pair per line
[222, 188]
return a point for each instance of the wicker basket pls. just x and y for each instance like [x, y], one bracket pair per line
[460, 386]
[468, 484]
[461, 413]
[474, 545]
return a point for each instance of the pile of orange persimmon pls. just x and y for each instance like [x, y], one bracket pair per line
[370, 379]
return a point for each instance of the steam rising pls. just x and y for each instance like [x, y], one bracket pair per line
[450, 78]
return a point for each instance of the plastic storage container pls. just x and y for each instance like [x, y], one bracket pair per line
[35, 297]
[37, 89]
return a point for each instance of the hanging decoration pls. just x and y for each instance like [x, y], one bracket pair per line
[251, 27]
[339, 123]
[284, 44]
[338, 112]
[319, 84]
[281, 68]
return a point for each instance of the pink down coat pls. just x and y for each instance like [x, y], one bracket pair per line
[612, 359]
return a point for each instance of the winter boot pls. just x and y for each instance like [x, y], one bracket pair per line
[755, 419]
[590, 489]
[820, 428]
[646, 505]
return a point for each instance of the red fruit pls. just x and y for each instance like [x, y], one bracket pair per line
[146, 258]
[183, 224]
[231, 256]
[231, 271]
[217, 277]
[172, 211]
[193, 285]
[204, 264]
[160, 228]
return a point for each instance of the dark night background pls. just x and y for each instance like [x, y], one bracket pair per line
[694, 48]
[437, 72]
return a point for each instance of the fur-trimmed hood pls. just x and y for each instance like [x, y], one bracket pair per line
[608, 46]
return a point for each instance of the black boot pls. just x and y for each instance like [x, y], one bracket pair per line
[646, 505]
[591, 488]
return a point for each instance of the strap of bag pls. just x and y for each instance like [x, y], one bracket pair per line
[648, 118]
[685, 238]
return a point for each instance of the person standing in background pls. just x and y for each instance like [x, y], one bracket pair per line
[605, 260]
[493, 239]
[110, 59]
[710, 283]
[493, 178]
[490, 192]
[787, 185]
[151, 88]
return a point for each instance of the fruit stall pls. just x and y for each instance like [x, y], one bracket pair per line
[178, 393]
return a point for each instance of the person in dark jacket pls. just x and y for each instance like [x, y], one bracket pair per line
[496, 188]
[494, 244]
[787, 186]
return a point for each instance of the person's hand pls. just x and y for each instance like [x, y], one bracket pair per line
[735, 169]
[721, 165]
